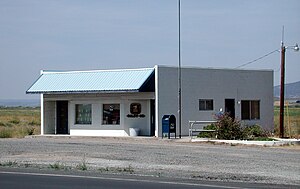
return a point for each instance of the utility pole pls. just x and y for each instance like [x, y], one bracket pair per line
[281, 114]
[282, 78]
[179, 70]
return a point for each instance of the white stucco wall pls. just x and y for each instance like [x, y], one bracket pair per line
[142, 123]
[97, 101]
[216, 84]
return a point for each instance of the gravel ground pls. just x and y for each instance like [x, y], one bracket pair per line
[156, 157]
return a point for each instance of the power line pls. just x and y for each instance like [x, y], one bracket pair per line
[257, 59]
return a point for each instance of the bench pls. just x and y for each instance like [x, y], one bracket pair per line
[192, 129]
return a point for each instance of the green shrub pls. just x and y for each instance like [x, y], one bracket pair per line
[8, 164]
[8, 124]
[15, 121]
[228, 128]
[255, 132]
[5, 132]
[58, 166]
[30, 130]
[208, 134]
[82, 166]
[128, 169]
[34, 122]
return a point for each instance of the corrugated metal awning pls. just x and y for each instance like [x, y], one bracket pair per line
[129, 80]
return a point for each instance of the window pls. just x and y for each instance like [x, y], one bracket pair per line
[83, 114]
[250, 109]
[111, 114]
[206, 104]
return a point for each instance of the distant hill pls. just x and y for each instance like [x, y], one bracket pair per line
[292, 90]
[20, 102]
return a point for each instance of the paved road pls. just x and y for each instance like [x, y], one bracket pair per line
[156, 157]
[23, 180]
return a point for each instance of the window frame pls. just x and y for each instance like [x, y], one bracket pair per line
[253, 109]
[207, 106]
[113, 120]
[88, 114]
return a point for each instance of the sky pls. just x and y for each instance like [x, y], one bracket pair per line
[107, 34]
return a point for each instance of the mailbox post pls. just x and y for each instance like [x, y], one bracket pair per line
[168, 125]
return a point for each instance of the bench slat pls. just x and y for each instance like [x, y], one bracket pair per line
[202, 124]
[201, 130]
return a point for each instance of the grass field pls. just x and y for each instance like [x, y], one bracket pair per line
[291, 121]
[17, 122]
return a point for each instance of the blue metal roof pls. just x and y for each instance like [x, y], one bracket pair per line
[129, 80]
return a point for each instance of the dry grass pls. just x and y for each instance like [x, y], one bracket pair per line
[291, 121]
[17, 122]
[21, 121]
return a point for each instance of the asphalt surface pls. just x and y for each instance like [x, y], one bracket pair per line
[35, 180]
[155, 158]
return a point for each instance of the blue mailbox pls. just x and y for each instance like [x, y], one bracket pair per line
[168, 125]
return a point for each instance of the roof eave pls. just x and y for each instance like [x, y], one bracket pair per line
[83, 92]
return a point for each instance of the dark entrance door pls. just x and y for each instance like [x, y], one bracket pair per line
[62, 117]
[152, 117]
[230, 107]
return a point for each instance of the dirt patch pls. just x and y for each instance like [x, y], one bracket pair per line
[156, 157]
